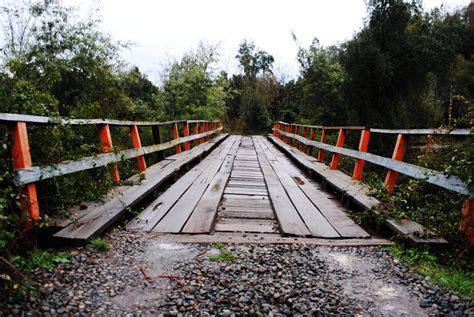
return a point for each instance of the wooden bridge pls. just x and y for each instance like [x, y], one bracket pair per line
[275, 186]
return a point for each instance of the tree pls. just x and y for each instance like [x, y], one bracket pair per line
[322, 80]
[254, 62]
[191, 90]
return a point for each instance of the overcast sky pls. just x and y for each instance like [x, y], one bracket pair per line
[167, 29]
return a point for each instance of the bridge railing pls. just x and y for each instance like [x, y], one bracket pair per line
[303, 137]
[193, 131]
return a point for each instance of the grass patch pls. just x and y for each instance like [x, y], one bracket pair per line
[427, 264]
[100, 244]
[37, 258]
[223, 256]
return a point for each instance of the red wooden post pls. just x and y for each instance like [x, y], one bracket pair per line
[203, 128]
[398, 154]
[22, 159]
[275, 126]
[196, 131]
[363, 146]
[288, 130]
[312, 134]
[187, 146]
[176, 136]
[467, 225]
[321, 151]
[340, 143]
[106, 147]
[293, 131]
[138, 144]
[303, 146]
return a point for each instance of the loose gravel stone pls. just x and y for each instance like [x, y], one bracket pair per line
[142, 276]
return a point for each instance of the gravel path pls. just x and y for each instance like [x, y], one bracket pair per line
[141, 275]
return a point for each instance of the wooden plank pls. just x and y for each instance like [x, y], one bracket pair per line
[36, 173]
[204, 214]
[237, 183]
[437, 178]
[246, 191]
[249, 208]
[358, 193]
[317, 224]
[150, 216]
[246, 197]
[12, 117]
[247, 214]
[96, 221]
[246, 225]
[288, 218]
[175, 219]
[267, 238]
[338, 219]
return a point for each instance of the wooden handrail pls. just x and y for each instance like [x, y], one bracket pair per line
[437, 178]
[12, 117]
[27, 174]
[454, 132]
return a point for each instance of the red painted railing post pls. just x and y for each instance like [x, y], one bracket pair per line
[321, 151]
[467, 225]
[202, 130]
[398, 154]
[275, 126]
[175, 132]
[187, 146]
[196, 131]
[138, 144]
[312, 134]
[340, 143]
[22, 159]
[363, 146]
[303, 146]
[293, 131]
[106, 147]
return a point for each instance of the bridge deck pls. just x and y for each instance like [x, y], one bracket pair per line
[247, 185]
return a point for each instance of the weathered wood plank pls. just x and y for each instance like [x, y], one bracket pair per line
[247, 214]
[338, 219]
[149, 217]
[246, 225]
[99, 219]
[37, 173]
[428, 175]
[317, 224]
[204, 214]
[358, 194]
[288, 218]
[177, 216]
[12, 117]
